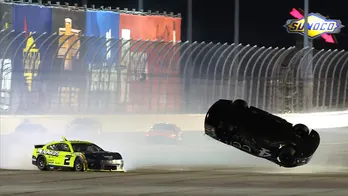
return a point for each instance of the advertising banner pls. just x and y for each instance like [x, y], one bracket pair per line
[6, 20]
[103, 24]
[68, 22]
[32, 18]
[71, 24]
[156, 90]
[26, 56]
[318, 25]
[164, 28]
[151, 27]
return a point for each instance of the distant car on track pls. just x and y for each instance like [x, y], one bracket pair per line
[162, 132]
[83, 126]
[27, 127]
[260, 133]
[75, 155]
[27, 132]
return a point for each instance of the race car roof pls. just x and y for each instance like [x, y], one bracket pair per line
[75, 141]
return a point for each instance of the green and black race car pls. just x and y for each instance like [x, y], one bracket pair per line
[77, 156]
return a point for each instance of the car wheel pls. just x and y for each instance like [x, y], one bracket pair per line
[41, 163]
[78, 165]
[286, 155]
[240, 103]
[301, 130]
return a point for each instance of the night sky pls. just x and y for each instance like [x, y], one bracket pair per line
[261, 22]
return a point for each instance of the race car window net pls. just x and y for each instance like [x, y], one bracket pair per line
[52, 147]
[63, 147]
[86, 148]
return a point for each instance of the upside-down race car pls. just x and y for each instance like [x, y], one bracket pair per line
[260, 133]
[75, 155]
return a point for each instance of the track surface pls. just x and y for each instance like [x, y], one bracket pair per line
[199, 169]
[238, 181]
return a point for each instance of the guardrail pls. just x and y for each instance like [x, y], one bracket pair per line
[65, 74]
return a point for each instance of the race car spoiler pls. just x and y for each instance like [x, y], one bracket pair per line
[39, 146]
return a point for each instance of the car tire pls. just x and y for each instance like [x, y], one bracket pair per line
[41, 163]
[240, 103]
[287, 155]
[78, 165]
[301, 130]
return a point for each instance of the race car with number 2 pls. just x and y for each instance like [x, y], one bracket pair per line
[75, 155]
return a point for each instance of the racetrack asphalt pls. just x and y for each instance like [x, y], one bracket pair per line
[204, 182]
[221, 173]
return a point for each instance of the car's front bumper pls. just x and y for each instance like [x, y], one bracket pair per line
[106, 165]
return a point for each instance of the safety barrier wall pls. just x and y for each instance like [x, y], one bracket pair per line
[66, 74]
[140, 123]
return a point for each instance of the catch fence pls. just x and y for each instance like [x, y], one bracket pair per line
[65, 74]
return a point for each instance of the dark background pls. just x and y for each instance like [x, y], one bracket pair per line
[78, 19]
[261, 22]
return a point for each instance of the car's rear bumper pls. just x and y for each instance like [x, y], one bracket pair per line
[33, 160]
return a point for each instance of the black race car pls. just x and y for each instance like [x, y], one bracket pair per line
[260, 133]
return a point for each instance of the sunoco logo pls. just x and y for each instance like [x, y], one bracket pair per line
[317, 25]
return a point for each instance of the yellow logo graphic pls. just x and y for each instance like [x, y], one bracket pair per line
[317, 25]
[31, 61]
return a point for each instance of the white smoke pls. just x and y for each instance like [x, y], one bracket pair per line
[196, 150]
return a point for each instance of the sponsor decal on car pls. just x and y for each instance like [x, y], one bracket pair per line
[48, 152]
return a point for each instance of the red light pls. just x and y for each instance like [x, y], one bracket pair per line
[297, 14]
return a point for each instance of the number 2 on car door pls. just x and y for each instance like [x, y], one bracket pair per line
[67, 160]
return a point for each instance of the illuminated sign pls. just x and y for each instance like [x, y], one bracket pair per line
[318, 25]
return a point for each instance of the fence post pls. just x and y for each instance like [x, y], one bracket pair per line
[279, 58]
[319, 76]
[326, 78]
[246, 69]
[200, 75]
[339, 79]
[223, 70]
[208, 71]
[187, 85]
[253, 71]
[231, 68]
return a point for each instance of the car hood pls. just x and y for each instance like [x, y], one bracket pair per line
[104, 155]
